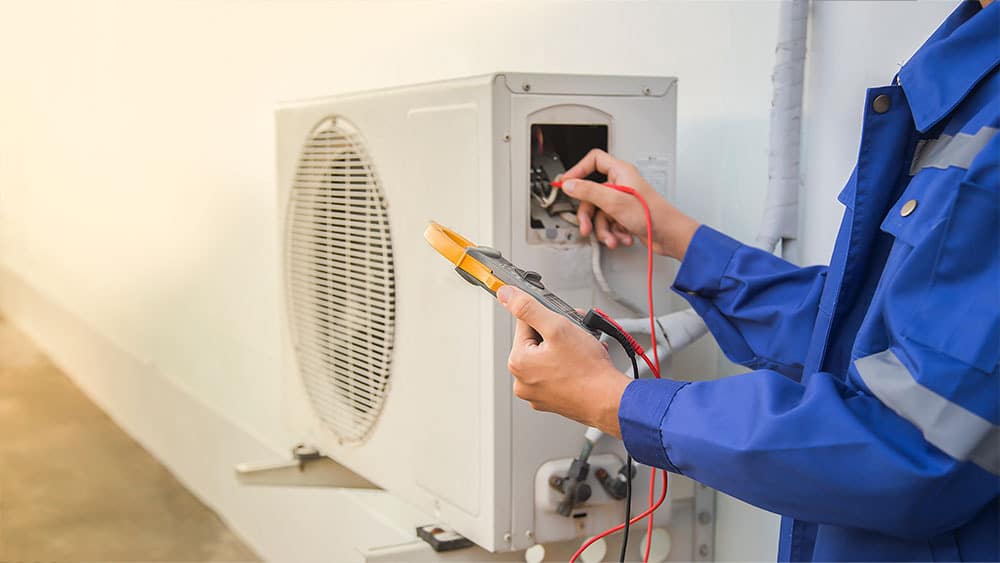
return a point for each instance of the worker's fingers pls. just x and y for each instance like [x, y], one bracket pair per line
[524, 335]
[602, 229]
[598, 194]
[585, 214]
[525, 308]
[595, 161]
[620, 233]
[624, 237]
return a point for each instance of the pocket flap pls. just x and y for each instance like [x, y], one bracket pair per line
[925, 205]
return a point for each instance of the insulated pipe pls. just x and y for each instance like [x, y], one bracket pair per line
[781, 209]
[592, 435]
[682, 328]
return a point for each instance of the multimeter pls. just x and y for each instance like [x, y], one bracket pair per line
[487, 268]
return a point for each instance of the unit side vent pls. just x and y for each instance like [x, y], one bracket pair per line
[340, 280]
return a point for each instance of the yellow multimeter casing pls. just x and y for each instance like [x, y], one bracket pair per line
[454, 247]
[487, 268]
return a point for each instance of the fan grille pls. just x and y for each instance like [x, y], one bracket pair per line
[340, 280]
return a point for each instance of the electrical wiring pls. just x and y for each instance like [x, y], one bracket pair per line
[649, 260]
[602, 282]
[548, 200]
[636, 347]
[570, 218]
[649, 511]
[653, 365]
[628, 474]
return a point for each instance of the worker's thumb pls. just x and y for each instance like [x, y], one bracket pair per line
[526, 308]
[598, 194]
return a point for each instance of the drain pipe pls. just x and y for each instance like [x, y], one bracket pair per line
[780, 222]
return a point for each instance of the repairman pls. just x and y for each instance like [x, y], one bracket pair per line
[870, 419]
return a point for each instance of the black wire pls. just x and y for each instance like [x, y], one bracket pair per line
[628, 475]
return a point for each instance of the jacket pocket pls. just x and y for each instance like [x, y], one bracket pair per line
[959, 313]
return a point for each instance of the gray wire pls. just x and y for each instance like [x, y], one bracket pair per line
[602, 282]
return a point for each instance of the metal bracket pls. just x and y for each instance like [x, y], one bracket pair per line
[704, 523]
[307, 468]
[443, 539]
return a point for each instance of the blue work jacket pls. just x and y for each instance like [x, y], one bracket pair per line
[870, 421]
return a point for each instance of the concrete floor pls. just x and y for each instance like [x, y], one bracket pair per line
[74, 487]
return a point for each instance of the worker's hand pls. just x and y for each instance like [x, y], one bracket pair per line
[614, 217]
[560, 368]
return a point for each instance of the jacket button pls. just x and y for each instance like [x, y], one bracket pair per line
[881, 103]
[908, 208]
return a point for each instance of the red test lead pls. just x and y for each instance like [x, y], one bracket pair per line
[654, 366]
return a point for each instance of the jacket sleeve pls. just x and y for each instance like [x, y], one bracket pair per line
[819, 452]
[760, 308]
[907, 444]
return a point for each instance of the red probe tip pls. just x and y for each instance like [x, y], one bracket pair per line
[556, 184]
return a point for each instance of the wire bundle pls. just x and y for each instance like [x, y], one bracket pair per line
[654, 366]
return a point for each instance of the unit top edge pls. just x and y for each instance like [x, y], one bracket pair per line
[539, 83]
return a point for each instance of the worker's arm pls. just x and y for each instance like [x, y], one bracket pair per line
[822, 452]
[825, 451]
[907, 445]
[760, 308]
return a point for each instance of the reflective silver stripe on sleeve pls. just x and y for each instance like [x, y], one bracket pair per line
[958, 432]
[959, 150]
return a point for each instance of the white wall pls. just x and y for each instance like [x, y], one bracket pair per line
[852, 46]
[136, 147]
[138, 150]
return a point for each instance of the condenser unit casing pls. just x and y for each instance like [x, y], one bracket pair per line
[395, 366]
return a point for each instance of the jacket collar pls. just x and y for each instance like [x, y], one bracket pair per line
[942, 72]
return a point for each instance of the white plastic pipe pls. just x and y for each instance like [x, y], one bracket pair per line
[682, 328]
[592, 435]
[780, 222]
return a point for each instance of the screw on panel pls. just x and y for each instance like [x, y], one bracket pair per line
[704, 517]
[506, 137]
[529, 534]
[646, 91]
[506, 537]
[703, 550]
[526, 87]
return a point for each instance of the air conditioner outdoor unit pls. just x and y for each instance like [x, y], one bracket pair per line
[396, 367]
